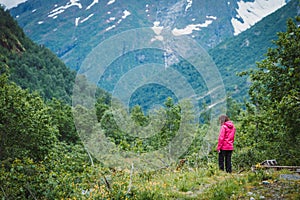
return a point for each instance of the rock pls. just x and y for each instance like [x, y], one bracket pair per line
[266, 182]
[290, 176]
[250, 193]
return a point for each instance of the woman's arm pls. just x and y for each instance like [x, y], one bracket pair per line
[221, 138]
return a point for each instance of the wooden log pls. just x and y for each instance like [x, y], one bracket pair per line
[293, 168]
[280, 167]
[272, 164]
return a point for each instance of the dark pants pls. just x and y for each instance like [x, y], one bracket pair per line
[227, 155]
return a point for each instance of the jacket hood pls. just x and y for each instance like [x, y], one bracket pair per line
[229, 124]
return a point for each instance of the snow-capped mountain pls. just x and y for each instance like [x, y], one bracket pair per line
[248, 13]
[71, 28]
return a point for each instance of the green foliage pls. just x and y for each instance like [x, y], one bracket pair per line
[276, 84]
[64, 173]
[33, 66]
[241, 53]
[68, 171]
[101, 106]
[26, 128]
[127, 138]
[23, 179]
[62, 117]
[138, 116]
[234, 108]
[42, 158]
[10, 34]
[270, 124]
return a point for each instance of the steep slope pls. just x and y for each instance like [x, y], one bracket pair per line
[72, 28]
[30, 65]
[241, 53]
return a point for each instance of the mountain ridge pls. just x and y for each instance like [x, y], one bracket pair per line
[241, 53]
[32, 66]
[67, 27]
[232, 55]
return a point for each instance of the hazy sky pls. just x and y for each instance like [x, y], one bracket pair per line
[11, 3]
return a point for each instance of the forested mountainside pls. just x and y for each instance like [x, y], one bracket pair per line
[71, 29]
[73, 35]
[43, 156]
[33, 66]
[241, 53]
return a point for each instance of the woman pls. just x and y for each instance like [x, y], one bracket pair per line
[225, 142]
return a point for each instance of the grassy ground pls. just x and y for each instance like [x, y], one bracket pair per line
[195, 183]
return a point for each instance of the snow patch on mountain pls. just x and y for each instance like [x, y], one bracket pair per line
[11, 3]
[111, 19]
[62, 9]
[87, 18]
[211, 17]
[111, 2]
[126, 13]
[147, 8]
[77, 21]
[92, 4]
[189, 4]
[248, 13]
[111, 27]
[193, 27]
[157, 28]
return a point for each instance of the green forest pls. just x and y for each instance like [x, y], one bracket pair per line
[42, 155]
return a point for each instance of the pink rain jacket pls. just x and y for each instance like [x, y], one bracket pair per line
[226, 137]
